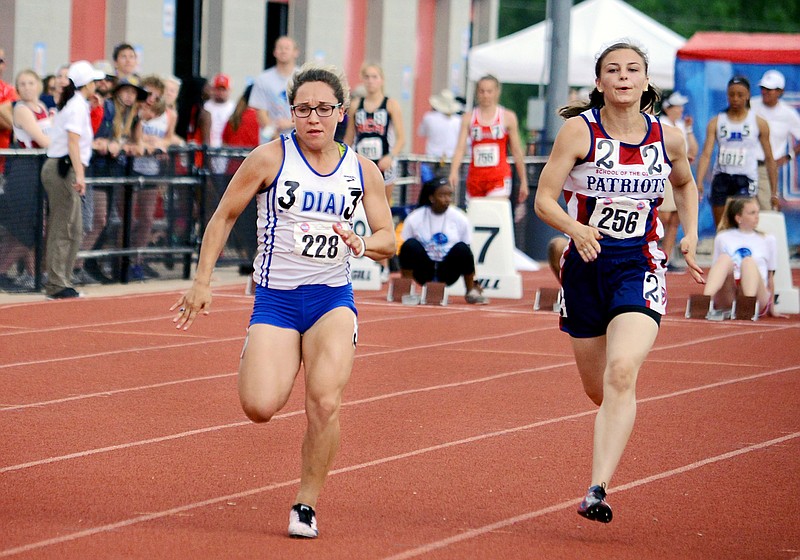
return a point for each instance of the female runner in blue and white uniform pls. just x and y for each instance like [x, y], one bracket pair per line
[612, 160]
[307, 187]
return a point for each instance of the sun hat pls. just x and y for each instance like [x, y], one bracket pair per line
[772, 79]
[82, 73]
[132, 81]
[445, 102]
[675, 100]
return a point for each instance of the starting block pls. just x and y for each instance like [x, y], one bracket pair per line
[745, 308]
[698, 306]
[434, 293]
[701, 307]
[398, 288]
[547, 299]
[405, 290]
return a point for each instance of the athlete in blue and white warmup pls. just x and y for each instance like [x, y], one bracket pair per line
[307, 187]
[612, 160]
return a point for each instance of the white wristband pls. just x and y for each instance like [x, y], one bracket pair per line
[363, 248]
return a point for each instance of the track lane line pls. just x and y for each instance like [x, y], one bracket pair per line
[213, 340]
[358, 356]
[472, 533]
[282, 416]
[397, 394]
[384, 460]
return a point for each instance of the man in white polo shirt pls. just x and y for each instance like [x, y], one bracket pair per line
[784, 132]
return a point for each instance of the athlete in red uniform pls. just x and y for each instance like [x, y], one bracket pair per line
[492, 129]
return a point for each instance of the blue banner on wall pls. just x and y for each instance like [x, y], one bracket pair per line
[705, 83]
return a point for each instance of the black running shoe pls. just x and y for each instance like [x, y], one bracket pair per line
[594, 505]
[66, 293]
[303, 522]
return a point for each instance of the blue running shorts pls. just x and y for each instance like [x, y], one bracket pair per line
[300, 308]
[596, 292]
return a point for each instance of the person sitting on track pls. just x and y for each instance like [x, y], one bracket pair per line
[307, 186]
[613, 278]
[436, 238]
[743, 265]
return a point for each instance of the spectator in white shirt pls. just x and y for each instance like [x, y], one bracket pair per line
[268, 97]
[440, 125]
[220, 107]
[784, 133]
[64, 177]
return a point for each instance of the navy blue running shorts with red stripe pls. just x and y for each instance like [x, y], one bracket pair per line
[596, 292]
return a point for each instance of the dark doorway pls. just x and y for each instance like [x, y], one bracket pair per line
[277, 25]
[188, 18]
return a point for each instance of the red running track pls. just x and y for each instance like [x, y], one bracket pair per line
[466, 434]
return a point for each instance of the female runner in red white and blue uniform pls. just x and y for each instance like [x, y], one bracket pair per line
[612, 160]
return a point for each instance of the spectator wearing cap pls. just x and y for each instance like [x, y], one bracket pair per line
[118, 136]
[118, 130]
[784, 132]
[64, 177]
[672, 114]
[440, 125]
[436, 241]
[102, 92]
[220, 108]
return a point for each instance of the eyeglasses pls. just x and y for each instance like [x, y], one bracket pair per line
[304, 111]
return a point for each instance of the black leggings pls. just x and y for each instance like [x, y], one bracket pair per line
[457, 263]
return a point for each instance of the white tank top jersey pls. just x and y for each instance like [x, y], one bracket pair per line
[156, 126]
[296, 213]
[43, 119]
[738, 146]
[147, 165]
[617, 187]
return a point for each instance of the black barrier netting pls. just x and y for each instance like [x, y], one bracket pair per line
[144, 217]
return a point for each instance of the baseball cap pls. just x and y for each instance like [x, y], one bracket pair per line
[772, 79]
[675, 100]
[82, 73]
[222, 81]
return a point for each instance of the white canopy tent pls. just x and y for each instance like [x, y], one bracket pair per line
[523, 57]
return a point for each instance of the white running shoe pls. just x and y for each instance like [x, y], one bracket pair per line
[476, 297]
[303, 522]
